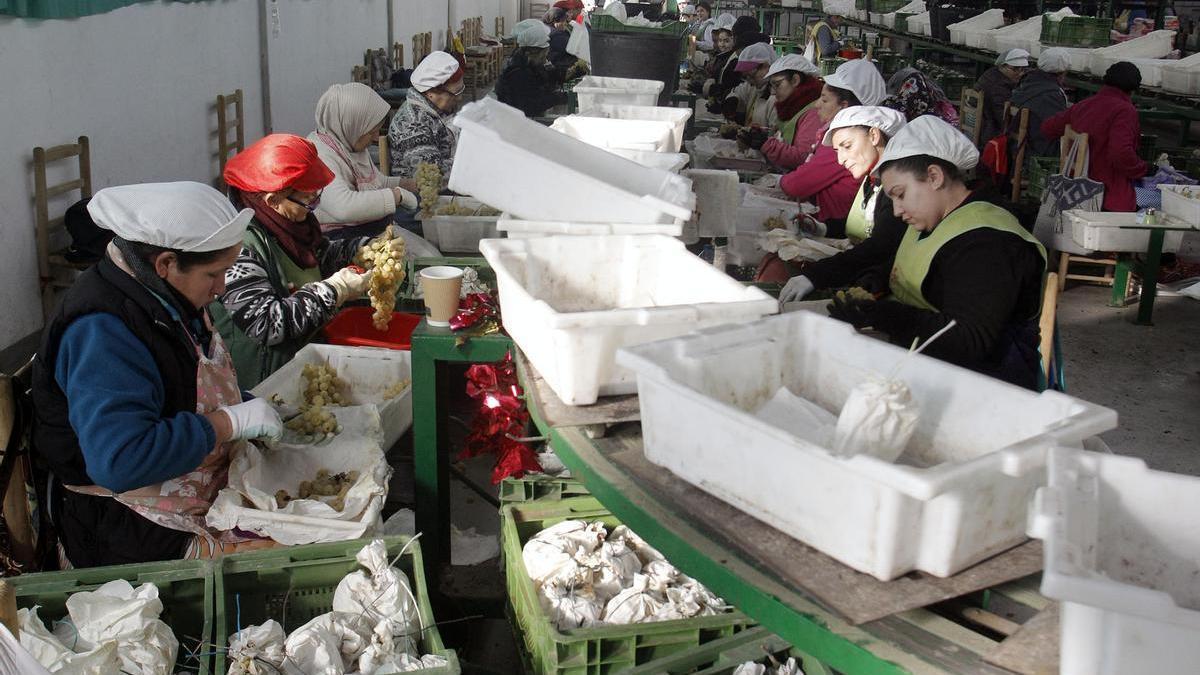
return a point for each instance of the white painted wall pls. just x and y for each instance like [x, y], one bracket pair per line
[140, 82]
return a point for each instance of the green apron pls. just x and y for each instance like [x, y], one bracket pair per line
[915, 255]
[860, 222]
[252, 360]
[787, 129]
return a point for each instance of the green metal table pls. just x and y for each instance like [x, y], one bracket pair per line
[918, 640]
[1147, 269]
[433, 347]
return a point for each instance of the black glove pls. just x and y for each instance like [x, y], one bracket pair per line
[753, 137]
[857, 313]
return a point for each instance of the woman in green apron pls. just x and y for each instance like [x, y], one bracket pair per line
[858, 135]
[962, 258]
[289, 279]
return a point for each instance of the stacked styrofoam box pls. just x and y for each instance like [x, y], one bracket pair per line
[1183, 76]
[1114, 232]
[1020, 35]
[1122, 554]
[667, 161]
[570, 302]
[1145, 52]
[676, 117]
[619, 134]
[960, 493]
[501, 156]
[971, 32]
[593, 90]
[920, 24]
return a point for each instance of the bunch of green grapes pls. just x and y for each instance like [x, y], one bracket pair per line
[429, 184]
[775, 223]
[314, 420]
[396, 389]
[455, 209]
[486, 210]
[388, 263]
[855, 293]
[322, 386]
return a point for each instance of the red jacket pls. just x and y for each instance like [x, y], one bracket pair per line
[822, 177]
[1111, 123]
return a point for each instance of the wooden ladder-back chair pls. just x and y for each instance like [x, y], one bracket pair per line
[1108, 265]
[1048, 323]
[500, 32]
[970, 114]
[422, 46]
[378, 63]
[360, 74]
[15, 473]
[227, 147]
[397, 56]
[54, 270]
[1018, 133]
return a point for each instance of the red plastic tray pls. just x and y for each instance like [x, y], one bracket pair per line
[353, 327]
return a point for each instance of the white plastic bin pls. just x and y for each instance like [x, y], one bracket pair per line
[618, 134]
[959, 494]
[593, 90]
[1104, 232]
[676, 117]
[1181, 79]
[672, 162]
[1182, 202]
[460, 234]
[526, 229]
[369, 371]
[1122, 552]
[571, 302]
[1153, 45]
[501, 154]
[717, 197]
[919, 24]
[971, 31]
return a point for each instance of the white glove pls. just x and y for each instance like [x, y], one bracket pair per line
[253, 419]
[795, 289]
[404, 198]
[348, 284]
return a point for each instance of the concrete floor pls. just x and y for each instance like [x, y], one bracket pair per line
[1149, 374]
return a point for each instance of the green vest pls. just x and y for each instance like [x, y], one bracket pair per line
[812, 36]
[252, 360]
[915, 254]
[787, 129]
[858, 225]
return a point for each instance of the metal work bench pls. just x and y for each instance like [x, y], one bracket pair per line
[1002, 624]
[1147, 269]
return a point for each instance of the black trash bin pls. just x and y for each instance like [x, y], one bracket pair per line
[644, 56]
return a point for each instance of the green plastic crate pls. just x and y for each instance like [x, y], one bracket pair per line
[294, 585]
[828, 66]
[603, 23]
[414, 265]
[602, 650]
[722, 657]
[1040, 169]
[1077, 31]
[186, 588]
[534, 487]
[902, 20]
[887, 6]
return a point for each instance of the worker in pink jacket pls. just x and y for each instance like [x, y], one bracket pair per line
[1111, 123]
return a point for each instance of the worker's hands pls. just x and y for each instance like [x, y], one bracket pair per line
[752, 137]
[253, 419]
[577, 69]
[404, 198]
[396, 243]
[859, 313]
[795, 289]
[349, 284]
[811, 226]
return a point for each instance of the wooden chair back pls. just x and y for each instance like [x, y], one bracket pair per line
[226, 146]
[1047, 323]
[970, 114]
[422, 46]
[1018, 134]
[1069, 137]
[500, 32]
[361, 74]
[18, 521]
[54, 271]
[398, 56]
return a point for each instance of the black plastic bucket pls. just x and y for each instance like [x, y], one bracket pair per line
[644, 56]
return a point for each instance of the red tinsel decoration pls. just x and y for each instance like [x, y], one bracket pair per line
[475, 309]
[501, 415]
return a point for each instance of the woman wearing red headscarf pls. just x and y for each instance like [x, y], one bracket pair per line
[289, 279]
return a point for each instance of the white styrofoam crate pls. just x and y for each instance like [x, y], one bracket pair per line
[1151, 69]
[672, 162]
[1013, 36]
[1181, 207]
[876, 18]
[594, 90]
[1152, 45]
[919, 24]
[500, 154]
[677, 117]
[1001, 44]
[1104, 232]
[570, 302]
[959, 493]
[1181, 80]
[717, 198]
[889, 20]
[369, 371]
[1122, 554]
[619, 134]
[970, 31]
[517, 228]
[459, 234]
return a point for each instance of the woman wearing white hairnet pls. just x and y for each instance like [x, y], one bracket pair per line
[420, 131]
[751, 103]
[528, 81]
[962, 258]
[1041, 91]
[997, 84]
[136, 401]
[360, 201]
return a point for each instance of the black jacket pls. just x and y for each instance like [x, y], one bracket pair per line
[997, 90]
[99, 530]
[1040, 92]
[869, 263]
[530, 87]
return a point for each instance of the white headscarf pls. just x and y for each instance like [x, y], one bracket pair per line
[347, 111]
[185, 216]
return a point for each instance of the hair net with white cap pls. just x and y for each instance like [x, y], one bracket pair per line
[534, 34]
[929, 135]
[758, 53]
[1018, 58]
[1054, 60]
[887, 120]
[724, 22]
[184, 216]
[794, 62]
[861, 78]
[434, 71]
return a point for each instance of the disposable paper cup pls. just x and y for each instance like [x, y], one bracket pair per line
[441, 286]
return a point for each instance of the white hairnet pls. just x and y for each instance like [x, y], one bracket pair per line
[759, 52]
[1054, 60]
[794, 62]
[862, 78]
[532, 34]
[434, 71]
[724, 22]
[837, 7]
[1014, 57]
[887, 120]
[930, 135]
[185, 216]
